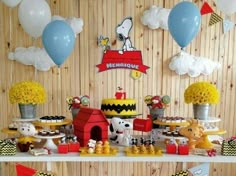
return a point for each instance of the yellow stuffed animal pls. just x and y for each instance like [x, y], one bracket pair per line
[194, 133]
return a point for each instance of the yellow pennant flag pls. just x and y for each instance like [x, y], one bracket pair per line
[215, 18]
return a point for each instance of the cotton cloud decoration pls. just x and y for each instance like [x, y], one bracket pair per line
[75, 23]
[184, 63]
[37, 57]
[156, 17]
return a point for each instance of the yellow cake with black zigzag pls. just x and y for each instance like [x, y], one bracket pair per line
[119, 107]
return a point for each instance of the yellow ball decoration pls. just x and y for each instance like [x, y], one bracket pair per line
[201, 93]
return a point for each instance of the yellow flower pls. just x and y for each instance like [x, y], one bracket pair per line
[201, 93]
[27, 92]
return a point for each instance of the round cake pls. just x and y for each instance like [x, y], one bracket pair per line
[119, 107]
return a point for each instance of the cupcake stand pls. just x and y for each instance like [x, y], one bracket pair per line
[50, 140]
[18, 120]
[172, 128]
[206, 144]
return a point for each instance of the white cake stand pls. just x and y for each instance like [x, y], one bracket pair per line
[49, 140]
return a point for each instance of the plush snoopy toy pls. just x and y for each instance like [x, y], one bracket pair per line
[122, 31]
[118, 129]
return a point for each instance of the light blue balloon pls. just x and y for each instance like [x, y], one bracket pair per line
[58, 40]
[184, 22]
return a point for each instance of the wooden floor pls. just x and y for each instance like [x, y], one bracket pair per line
[79, 75]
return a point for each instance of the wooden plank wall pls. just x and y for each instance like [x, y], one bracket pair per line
[79, 76]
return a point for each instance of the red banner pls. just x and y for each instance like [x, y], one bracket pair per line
[112, 59]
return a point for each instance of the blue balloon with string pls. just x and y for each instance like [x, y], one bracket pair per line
[184, 22]
[58, 40]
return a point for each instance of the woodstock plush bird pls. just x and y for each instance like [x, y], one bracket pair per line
[194, 133]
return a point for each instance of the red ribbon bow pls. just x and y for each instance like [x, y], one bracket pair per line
[211, 152]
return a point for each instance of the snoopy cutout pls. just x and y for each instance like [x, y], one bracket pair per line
[118, 129]
[123, 30]
[127, 57]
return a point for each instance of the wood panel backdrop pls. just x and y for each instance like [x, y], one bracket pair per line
[79, 75]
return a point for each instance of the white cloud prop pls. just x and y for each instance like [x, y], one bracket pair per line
[156, 17]
[37, 57]
[75, 23]
[184, 63]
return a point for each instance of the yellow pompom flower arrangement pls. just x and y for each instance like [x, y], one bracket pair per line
[27, 92]
[201, 93]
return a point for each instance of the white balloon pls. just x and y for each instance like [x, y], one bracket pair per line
[11, 3]
[226, 6]
[34, 15]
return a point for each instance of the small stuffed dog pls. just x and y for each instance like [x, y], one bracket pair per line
[118, 129]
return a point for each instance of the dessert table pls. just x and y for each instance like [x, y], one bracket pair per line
[120, 157]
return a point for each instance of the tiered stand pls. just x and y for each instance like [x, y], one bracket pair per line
[50, 144]
[206, 144]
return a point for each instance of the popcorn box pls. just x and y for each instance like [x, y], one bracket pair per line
[7, 147]
[63, 148]
[171, 148]
[229, 147]
[183, 149]
[74, 147]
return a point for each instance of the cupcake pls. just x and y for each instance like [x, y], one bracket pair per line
[175, 133]
[52, 133]
[44, 133]
[43, 119]
[53, 119]
[168, 119]
[177, 119]
[168, 133]
[57, 132]
[183, 120]
[13, 126]
[164, 132]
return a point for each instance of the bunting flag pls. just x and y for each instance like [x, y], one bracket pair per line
[24, 171]
[200, 170]
[206, 9]
[227, 25]
[181, 173]
[215, 18]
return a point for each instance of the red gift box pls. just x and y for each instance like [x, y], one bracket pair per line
[183, 149]
[62, 148]
[74, 147]
[171, 148]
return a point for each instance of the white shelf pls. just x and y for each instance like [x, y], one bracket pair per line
[74, 157]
